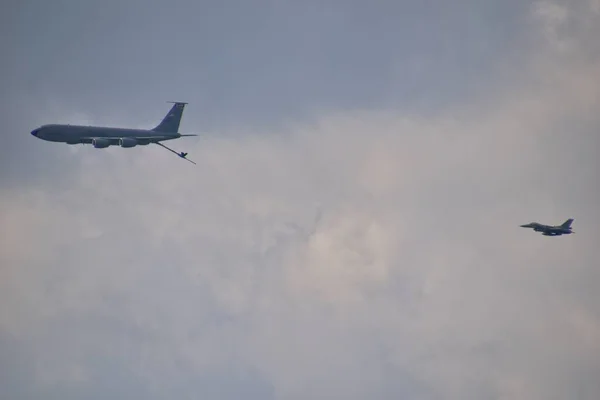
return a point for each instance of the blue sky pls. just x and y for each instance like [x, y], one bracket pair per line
[351, 228]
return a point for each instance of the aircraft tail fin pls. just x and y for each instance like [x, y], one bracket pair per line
[567, 223]
[170, 123]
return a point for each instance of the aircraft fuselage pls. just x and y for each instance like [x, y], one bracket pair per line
[76, 134]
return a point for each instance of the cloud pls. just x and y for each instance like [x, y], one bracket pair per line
[369, 254]
[568, 27]
[552, 16]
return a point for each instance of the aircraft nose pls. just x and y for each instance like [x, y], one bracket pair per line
[35, 132]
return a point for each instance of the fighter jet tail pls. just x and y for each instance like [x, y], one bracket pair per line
[170, 122]
[567, 223]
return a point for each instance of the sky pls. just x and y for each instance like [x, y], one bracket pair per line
[351, 228]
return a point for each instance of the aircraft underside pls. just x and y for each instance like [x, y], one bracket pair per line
[555, 233]
[126, 142]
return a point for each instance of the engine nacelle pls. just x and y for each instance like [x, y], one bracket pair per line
[128, 142]
[142, 142]
[100, 143]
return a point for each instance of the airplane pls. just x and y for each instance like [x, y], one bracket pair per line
[550, 230]
[102, 137]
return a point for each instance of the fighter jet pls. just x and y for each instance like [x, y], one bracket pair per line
[102, 137]
[550, 230]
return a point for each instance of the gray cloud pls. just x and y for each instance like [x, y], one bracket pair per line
[365, 253]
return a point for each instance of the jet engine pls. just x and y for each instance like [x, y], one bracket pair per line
[128, 142]
[100, 143]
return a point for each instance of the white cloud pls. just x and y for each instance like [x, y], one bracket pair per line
[568, 27]
[552, 17]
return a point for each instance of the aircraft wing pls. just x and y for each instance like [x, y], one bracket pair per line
[114, 140]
